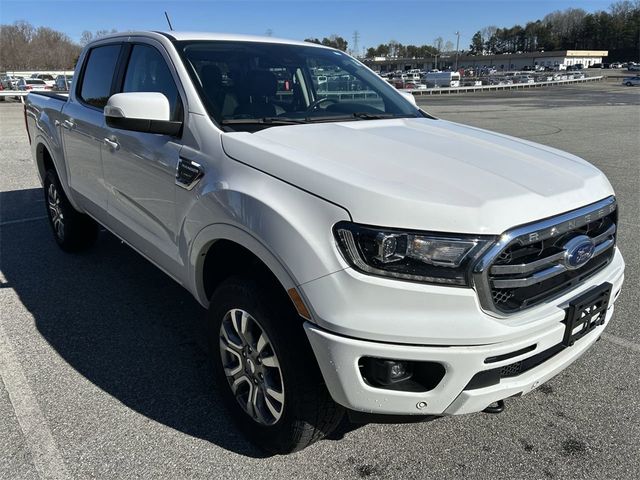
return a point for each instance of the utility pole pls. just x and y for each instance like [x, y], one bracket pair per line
[457, 49]
[356, 38]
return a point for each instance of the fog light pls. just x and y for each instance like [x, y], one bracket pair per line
[384, 372]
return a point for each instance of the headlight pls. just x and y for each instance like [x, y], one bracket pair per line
[416, 256]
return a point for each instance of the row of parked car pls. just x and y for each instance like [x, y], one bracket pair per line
[37, 81]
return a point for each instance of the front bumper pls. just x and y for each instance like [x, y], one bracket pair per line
[339, 356]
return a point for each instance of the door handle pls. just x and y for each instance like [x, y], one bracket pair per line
[68, 124]
[111, 143]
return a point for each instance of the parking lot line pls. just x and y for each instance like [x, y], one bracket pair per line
[22, 220]
[37, 436]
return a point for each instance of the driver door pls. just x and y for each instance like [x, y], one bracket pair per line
[140, 168]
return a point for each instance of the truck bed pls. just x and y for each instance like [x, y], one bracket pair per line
[57, 96]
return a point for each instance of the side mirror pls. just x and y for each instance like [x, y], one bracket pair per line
[147, 112]
[409, 96]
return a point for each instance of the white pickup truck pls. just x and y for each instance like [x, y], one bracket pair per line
[356, 255]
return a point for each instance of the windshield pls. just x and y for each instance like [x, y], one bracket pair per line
[244, 84]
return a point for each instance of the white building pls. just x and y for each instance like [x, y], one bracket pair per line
[505, 62]
[517, 61]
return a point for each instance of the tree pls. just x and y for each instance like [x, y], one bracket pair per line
[25, 47]
[438, 44]
[617, 30]
[334, 41]
[86, 37]
[477, 43]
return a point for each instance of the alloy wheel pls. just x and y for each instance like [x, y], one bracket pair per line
[251, 366]
[55, 211]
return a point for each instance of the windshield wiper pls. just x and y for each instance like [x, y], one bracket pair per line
[262, 121]
[356, 116]
[375, 116]
[310, 119]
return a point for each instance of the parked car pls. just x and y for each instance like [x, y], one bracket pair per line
[616, 65]
[46, 77]
[523, 79]
[63, 83]
[356, 255]
[633, 67]
[10, 82]
[32, 84]
[442, 79]
[631, 81]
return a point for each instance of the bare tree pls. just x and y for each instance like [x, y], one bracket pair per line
[24, 47]
[438, 43]
[86, 37]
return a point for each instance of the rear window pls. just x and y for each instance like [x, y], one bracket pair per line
[35, 82]
[98, 74]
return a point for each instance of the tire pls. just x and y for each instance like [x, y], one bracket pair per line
[629, 84]
[72, 230]
[300, 409]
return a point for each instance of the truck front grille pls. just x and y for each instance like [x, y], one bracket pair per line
[537, 262]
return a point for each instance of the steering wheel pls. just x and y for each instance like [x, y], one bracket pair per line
[314, 105]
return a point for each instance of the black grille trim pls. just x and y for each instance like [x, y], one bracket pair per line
[486, 378]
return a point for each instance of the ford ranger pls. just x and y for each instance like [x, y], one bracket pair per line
[356, 255]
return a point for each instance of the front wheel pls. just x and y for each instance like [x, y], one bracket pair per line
[629, 84]
[72, 230]
[265, 370]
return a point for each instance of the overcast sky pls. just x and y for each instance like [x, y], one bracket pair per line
[377, 21]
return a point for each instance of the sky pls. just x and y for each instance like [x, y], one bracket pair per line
[377, 21]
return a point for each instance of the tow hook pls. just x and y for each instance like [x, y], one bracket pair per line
[495, 407]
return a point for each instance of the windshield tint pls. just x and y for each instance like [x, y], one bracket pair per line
[277, 84]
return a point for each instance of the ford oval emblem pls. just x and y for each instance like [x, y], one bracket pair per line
[578, 251]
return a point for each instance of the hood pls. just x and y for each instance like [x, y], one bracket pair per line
[423, 174]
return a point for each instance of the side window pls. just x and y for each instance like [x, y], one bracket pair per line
[98, 73]
[147, 71]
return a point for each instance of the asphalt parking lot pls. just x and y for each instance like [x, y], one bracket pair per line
[104, 373]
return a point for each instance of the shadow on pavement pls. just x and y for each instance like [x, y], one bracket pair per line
[119, 321]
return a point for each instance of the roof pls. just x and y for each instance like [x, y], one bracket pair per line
[211, 36]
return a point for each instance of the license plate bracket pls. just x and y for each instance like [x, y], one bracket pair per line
[585, 313]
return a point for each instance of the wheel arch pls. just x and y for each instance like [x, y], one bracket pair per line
[45, 159]
[222, 250]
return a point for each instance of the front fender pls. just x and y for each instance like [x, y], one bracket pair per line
[288, 229]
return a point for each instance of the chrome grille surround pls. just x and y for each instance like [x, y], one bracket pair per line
[498, 280]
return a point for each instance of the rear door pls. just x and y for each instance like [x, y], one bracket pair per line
[140, 168]
[83, 128]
